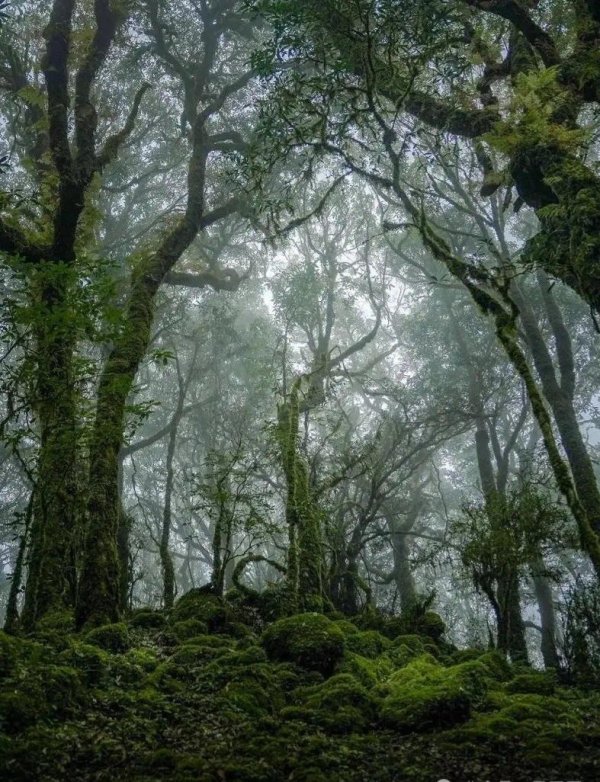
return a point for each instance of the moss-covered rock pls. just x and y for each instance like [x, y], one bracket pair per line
[309, 640]
[205, 607]
[533, 682]
[40, 691]
[148, 620]
[112, 637]
[92, 662]
[369, 672]
[425, 695]
[368, 643]
[188, 628]
[340, 705]
[430, 624]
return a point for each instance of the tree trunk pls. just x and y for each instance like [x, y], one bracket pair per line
[52, 575]
[305, 553]
[403, 577]
[560, 399]
[543, 594]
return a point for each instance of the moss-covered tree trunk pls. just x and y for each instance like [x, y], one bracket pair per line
[560, 395]
[99, 590]
[52, 566]
[305, 565]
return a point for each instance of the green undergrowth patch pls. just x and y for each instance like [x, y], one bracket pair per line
[213, 691]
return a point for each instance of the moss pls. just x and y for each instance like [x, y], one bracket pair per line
[534, 682]
[193, 655]
[309, 640]
[9, 653]
[41, 691]
[345, 625]
[340, 705]
[367, 671]
[145, 659]
[188, 628]
[150, 620]
[497, 665]
[431, 625]
[92, 662]
[368, 643]
[425, 695]
[205, 607]
[112, 637]
[236, 630]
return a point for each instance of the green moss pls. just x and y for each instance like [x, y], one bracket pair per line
[112, 637]
[534, 682]
[340, 705]
[425, 695]
[345, 625]
[60, 621]
[367, 671]
[40, 692]
[150, 620]
[145, 659]
[200, 605]
[92, 662]
[368, 643]
[188, 628]
[9, 653]
[309, 640]
[431, 625]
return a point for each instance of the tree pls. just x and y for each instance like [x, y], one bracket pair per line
[74, 145]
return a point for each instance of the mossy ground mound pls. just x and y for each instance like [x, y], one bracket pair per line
[177, 697]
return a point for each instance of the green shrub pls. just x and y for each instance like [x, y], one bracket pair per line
[113, 637]
[309, 640]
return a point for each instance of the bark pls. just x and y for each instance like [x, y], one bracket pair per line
[52, 574]
[11, 622]
[543, 593]
[506, 601]
[402, 572]
[305, 551]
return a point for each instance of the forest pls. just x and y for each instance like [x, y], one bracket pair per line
[300, 390]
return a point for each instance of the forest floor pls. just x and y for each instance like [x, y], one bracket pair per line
[212, 691]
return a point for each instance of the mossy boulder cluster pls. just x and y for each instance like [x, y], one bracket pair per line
[213, 691]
